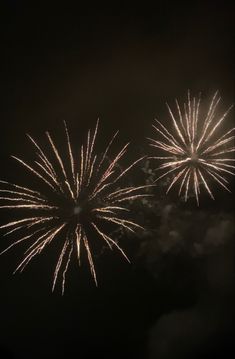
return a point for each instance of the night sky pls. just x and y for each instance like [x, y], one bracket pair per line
[176, 298]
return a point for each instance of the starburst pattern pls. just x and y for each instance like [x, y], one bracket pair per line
[82, 196]
[195, 151]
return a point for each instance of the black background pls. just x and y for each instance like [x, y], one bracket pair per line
[56, 65]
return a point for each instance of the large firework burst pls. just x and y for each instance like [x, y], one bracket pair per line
[195, 152]
[82, 196]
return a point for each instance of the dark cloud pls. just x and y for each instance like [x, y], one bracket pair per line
[191, 250]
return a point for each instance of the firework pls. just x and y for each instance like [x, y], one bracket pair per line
[193, 150]
[82, 196]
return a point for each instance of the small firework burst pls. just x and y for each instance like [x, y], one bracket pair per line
[82, 196]
[195, 152]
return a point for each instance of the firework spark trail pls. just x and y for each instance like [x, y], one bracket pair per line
[66, 267]
[81, 195]
[36, 173]
[49, 236]
[27, 195]
[110, 241]
[195, 152]
[42, 156]
[70, 153]
[30, 206]
[30, 224]
[20, 240]
[66, 243]
[89, 256]
[25, 189]
[78, 233]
